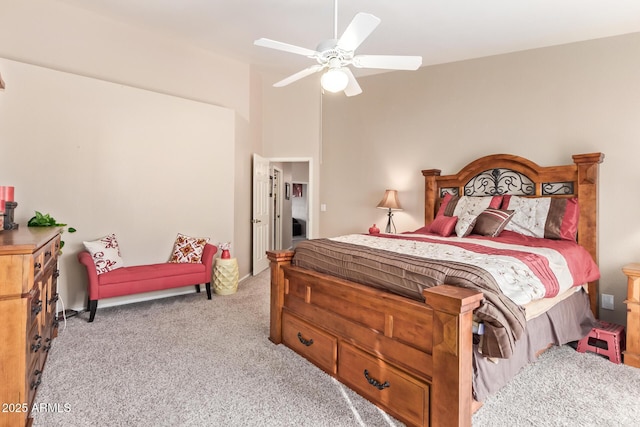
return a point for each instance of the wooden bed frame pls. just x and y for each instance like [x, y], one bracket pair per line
[414, 359]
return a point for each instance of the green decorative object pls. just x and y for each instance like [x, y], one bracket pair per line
[47, 220]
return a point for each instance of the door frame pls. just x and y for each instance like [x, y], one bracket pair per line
[311, 194]
[310, 188]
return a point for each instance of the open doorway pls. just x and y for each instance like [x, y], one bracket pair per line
[299, 211]
[285, 208]
[293, 212]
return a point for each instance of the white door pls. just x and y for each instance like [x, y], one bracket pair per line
[260, 215]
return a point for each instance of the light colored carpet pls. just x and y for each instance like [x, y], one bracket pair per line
[566, 388]
[189, 361]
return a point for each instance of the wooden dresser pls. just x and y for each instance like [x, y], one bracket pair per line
[632, 354]
[28, 295]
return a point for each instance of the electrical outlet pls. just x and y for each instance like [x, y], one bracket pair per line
[607, 301]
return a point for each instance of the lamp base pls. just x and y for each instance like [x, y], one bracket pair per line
[390, 223]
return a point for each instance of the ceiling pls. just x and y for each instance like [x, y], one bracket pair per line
[438, 30]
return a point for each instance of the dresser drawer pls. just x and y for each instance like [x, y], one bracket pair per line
[45, 257]
[50, 252]
[383, 384]
[314, 344]
[35, 305]
[34, 378]
[35, 343]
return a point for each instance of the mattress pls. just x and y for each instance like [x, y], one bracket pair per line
[506, 270]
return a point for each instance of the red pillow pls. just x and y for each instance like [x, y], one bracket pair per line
[443, 225]
[445, 202]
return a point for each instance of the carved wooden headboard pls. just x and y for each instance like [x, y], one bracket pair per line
[502, 174]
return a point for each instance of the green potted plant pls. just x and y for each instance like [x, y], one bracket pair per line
[47, 220]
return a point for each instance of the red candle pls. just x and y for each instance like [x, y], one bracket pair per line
[8, 194]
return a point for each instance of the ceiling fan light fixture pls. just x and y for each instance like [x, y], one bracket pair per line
[336, 54]
[334, 80]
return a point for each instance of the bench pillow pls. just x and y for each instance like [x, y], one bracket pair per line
[105, 253]
[188, 249]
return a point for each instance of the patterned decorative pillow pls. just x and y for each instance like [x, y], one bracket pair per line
[443, 225]
[455, 206]
[465, 224]
[491, 222]
[188, 249]
[105, 253]
[544, 217]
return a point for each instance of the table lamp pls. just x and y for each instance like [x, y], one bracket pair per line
[390, 201]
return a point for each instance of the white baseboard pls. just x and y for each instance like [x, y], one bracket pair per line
[148, 296]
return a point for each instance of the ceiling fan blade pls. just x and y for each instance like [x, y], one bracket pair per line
[353, 88]
[272, 44]
[299, 75]
[387, 62]
[358, 30]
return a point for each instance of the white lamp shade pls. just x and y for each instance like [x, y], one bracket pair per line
[390, 201]
[334, 80]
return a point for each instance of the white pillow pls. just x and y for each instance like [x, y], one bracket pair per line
[465, 224]
[105, 253]
[467, 210]
[530, 215]
[471, 205]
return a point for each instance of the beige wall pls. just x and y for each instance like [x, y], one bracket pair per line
[543, 104]
[60, 37]
[291, 129]
[108, 158]
[63, 37]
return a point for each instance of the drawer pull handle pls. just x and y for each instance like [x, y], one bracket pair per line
[35, 347]
[56, 274]
[377, 384]
[303, 341]
[47, 253]
[36, 308]
[35, 384]
[37, 265]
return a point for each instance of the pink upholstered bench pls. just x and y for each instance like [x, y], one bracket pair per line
[146, 278]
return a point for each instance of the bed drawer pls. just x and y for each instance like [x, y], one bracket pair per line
[317, 346]
[385, 385]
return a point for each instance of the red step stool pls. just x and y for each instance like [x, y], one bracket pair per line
[605, 333]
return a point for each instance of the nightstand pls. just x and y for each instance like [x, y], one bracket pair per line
[632, 354]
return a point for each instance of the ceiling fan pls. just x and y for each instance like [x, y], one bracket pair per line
[337, 54]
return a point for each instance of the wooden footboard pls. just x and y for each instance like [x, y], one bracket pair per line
[412, 359]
